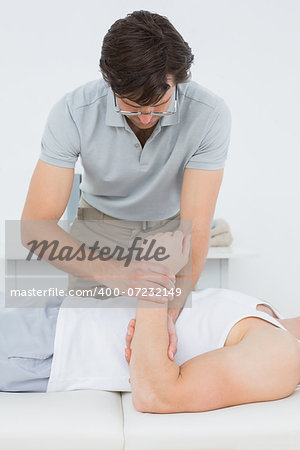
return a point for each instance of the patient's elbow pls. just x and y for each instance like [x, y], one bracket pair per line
[151, 402]
[144, 401]
[139, 405]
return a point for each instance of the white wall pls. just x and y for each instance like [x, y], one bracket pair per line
[246, 51]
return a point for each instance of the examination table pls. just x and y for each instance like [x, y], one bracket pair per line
[94, 420]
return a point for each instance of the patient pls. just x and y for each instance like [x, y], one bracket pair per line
[230, 350]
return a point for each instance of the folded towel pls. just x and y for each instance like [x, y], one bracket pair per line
[220, 235]
[221, 226]
[221, 240]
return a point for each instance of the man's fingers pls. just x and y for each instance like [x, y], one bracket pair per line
[161, 281]
[156, 283]
[161, 269]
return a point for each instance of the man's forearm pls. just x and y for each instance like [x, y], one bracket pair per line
[189, 275]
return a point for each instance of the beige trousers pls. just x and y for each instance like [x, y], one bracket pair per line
[92, 225]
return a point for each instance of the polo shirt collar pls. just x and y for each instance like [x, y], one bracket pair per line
[115, 119]
[173, 118]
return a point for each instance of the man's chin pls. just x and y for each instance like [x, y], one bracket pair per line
[144, 126]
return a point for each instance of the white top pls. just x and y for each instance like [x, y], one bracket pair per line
[89, 349]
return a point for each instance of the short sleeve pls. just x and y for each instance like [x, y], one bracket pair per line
[60, 145]
[212, 152]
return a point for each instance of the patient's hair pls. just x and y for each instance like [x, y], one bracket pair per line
[137, 54]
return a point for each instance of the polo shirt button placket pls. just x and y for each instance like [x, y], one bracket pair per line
[144, 226]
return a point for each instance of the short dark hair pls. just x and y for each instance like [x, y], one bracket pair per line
[138, 53]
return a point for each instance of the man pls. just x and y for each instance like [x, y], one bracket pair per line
[153, 146]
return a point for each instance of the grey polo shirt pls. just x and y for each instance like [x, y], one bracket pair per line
[121, 178]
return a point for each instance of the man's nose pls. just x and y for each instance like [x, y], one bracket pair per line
[145, 118]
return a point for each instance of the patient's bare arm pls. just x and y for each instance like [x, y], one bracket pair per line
[149, 347]
[177, 246]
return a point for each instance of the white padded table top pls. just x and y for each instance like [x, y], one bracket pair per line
[89, 420]
[255, 426]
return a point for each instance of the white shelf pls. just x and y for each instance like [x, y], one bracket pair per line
[228, 252]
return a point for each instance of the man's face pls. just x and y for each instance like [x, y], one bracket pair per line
[147, 121]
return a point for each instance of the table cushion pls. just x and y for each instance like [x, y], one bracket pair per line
[265, 426]
[89, 420]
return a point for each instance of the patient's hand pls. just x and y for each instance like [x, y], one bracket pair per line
[172, 338]
[129, 336]
[176, 245]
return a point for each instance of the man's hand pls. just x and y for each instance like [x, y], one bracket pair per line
[176, 245]
[172, 339]
[151, 280]
[141, 277]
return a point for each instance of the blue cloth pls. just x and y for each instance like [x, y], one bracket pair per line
[26, 346]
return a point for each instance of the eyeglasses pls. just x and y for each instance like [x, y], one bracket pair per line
[138, 113]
